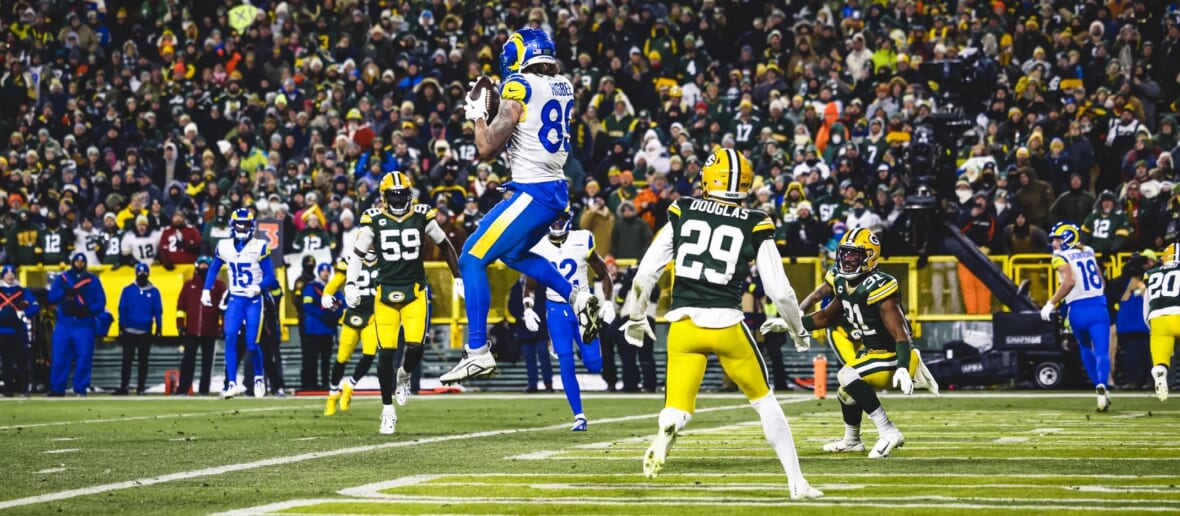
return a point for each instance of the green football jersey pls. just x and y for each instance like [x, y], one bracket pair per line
[54, 246]
[861, 301]
[398, 242]
[1103, 228]
[1163, 290]
[713, 244]
[364, 285]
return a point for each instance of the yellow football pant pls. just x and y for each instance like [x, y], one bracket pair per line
[1165, 329]
[689, 347]
[876, 368]
[409, 317]
[349, 336]
[846, 348]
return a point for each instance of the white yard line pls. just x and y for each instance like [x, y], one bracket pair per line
[50, 470]
[63, 450]
[291, 459]
[144, 418]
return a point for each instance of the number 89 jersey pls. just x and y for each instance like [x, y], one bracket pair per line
[541, 141]
[1087, 276]
[398, 244]
[713, 244]
[861, 303]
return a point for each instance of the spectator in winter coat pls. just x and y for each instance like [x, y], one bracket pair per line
[80, 300]
[979, 227]
[804, 235]
[180, 243]
[1034, 196]
[141, 311]
[631, 235]
[1074, 205]
[199, 326]
[17, 305]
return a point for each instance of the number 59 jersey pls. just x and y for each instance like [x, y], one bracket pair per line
[541, 141]
[1087, 276]
[244, 268]
[569, 258]
[713, 244]
[398, 244]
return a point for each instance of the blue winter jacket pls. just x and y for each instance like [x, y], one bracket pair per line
[318, 321]
[86, 300]
[11, 299]
[139, 307]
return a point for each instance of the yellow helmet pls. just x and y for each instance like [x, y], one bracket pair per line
[727, 175]
[858, 253]
[1171, 254]
[398, 192]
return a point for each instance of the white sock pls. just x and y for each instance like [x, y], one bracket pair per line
[851, 433]
[884, 425]
[673, 416]
[388, 410]
[482, 350]
[778, 433]
[580, 415]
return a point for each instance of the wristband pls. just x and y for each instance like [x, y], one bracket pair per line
[808, 323]
[903, 354]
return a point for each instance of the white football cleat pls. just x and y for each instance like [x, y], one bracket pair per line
[1159, 373]
[388, 420]
[472, 365]
[1103, 398]
[805, 491]
[588, 309]
[886, 443]
[580, 424]
[657, 453]
[922, 377]
[401, 394]
[259, 388]
[844, 445]
[233, 389]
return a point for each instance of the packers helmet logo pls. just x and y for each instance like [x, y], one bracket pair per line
[381, 222]
[355, 320]
[711, 159]
[396, 297]
[855, 334]
[873, 239]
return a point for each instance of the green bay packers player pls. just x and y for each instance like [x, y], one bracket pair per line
[869, 301]
[359, 326]
[712, 241]
[394, 234]
[1162, 308]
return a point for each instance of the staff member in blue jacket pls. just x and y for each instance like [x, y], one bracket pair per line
[17, 306]
[79, 299]
[140, 307]
[319, 327]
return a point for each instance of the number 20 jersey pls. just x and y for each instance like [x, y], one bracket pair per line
[1087, 277]
[1163, 290]
[398, 243]
[713, 244]
[541, 141]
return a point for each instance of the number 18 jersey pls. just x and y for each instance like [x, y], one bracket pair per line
[1087, 276]
[713, 244]
[541, 141]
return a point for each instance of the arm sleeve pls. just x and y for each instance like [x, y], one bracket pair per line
[268, 275]
[435, 232]
[776, 284]
[56, 290]
[124, 305]
[311, 304]
[214, 270]
[337, 280]
[158, 312]
[658, 254]
[354, 262]
[100, 297]
[364, 242]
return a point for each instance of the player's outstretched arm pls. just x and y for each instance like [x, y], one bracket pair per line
[778, 287]
[820, 292]
[439, 237]
[829, 316]
[895, 324]
[599, 267]
[490, 138]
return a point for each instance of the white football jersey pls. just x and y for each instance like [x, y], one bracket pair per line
[244, 269]
[1087, 275]
[569, 258]
[144, 249]
[88, 242]
[541, 141]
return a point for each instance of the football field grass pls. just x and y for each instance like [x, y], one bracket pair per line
[985, 453]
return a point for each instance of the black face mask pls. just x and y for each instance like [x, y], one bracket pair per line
[859, 212]
[141, 280]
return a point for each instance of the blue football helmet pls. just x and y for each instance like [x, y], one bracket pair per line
[560, 227]
[526, 47]
[242, 224]
[1068, 233]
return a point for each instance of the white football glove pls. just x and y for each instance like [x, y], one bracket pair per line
[328, 302]
[634, 331]
[903, 382]
[532, 321]
[475, 109]
[1047, 312]
[206, 297]
[607, 312]
[253, 291]
[457, 287]
[774, 325]
[802, 340]
[352, 295]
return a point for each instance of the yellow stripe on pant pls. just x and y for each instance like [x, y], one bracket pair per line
[409, 317]
[1165, 329]
[876, 367]
[689, 347]
[349, 336]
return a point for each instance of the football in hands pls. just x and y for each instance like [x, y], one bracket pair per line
[491, 95]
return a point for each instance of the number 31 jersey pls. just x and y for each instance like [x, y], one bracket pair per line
[569, 258]
[1087, 276]
[1163, 291]
[398, 244]
[541, 141]
[861, 303]
[713, 244]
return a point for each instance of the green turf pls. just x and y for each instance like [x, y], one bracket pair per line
[998, 455]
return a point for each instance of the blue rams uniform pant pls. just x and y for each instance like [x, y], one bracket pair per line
[565, 334]
[243, 310]
[73, 342]
[1091, 325]
[508, 233]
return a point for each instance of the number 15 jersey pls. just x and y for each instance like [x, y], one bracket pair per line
[244, 267]
[1087, 276]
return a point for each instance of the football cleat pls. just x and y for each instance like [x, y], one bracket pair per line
[231, 390]
[886, 443]
[1103, 398]
[346, 388]
[805, 491]
[1159, 373]
[330, 409]
[402, 393]
[922, 377]
[657, 453]
[259, 388]
[388, 420]
[587, 307]
[579, 424]
[472, 365]
[844, 445]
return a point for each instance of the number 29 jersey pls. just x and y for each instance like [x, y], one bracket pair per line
[1163, 290]
[244, 268]
[541, 141]
[713, 244]
[1087, 275]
